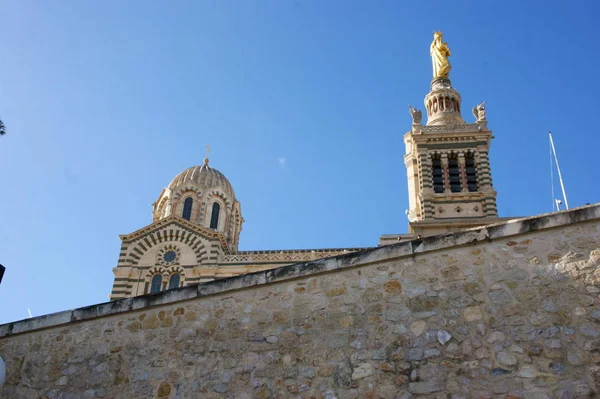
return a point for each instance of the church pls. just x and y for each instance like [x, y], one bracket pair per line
[197, 219]
[466, 304]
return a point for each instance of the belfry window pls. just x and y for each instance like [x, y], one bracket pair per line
[214, 218]
[187, 208]
[471, 172]
[156, 283]
[438, 174]
[454, 174]
[174, 281]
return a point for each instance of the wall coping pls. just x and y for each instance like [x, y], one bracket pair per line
[369, 256]
[299, 251]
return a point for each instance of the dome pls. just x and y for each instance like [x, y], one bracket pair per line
[203, 196]
[204, 176]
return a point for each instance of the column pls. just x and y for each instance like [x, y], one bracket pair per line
[426, 173]
[463, 172]
[446, 175]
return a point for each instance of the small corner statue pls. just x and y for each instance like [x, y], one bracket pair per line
[416, 115]
[439, 56]
[479, 112]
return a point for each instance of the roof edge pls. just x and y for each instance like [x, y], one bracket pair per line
[209, 233]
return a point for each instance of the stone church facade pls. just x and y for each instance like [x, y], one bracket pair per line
[193, 238]
[465, 305]
[197, 218]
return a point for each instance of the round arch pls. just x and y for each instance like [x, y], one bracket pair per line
[193, 241]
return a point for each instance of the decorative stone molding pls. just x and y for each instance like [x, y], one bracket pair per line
[176, 270]
[184, 191]
[164, 254]
[152, 271]
[208, 233]
[443, 104]
[283, 256]
[219, 194]
[466, 127]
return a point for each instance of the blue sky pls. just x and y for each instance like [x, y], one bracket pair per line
[104, 102]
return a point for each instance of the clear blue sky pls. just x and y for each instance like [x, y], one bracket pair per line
[105, 102]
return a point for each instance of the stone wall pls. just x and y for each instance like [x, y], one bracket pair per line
[506, 311]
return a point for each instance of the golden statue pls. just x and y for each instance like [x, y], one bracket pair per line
[439, 56]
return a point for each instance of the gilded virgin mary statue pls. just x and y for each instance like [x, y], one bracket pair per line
[439, 56]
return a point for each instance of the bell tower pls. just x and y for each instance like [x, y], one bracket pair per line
[449, 177]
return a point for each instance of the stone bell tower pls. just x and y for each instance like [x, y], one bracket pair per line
[449, 177]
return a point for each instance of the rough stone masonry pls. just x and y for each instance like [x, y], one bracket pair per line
[507, 311]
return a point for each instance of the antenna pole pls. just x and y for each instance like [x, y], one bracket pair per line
[562, 186]
[552, 176]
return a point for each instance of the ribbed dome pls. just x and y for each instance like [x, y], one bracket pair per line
[205, 176]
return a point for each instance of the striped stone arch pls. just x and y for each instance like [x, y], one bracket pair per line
[166, 273]
[221, 195]
[187, 190]
[175, 269]
[154, 270]
[164, 234]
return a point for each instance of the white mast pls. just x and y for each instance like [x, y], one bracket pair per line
[554, 204]
[562, 186]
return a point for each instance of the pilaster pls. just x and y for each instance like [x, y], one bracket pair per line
[426, 210]
[463, 173]
[484, 177]
[446, 173]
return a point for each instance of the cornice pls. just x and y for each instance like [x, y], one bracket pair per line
[173, 219]
[448, 134]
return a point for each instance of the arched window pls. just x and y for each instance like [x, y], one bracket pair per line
[214, 218]
[156, 283]
[187, 208]
[454, 174]
[174, 281]
[438, 174]
[471, 172]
